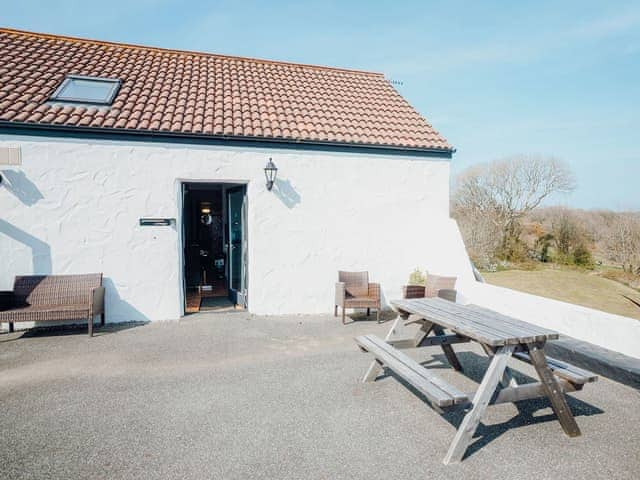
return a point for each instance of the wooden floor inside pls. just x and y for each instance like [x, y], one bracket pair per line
[193, 301]
[218, 292]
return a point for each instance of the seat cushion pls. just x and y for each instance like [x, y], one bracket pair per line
[45, 313]
[360, 302]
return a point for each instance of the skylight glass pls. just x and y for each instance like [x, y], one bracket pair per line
[92, 90]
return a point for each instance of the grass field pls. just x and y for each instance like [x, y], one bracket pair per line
[573, 286]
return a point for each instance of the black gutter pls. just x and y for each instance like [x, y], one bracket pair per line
[108, 133]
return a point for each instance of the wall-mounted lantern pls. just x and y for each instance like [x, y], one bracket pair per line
[270, 173]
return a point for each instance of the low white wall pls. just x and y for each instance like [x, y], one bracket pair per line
[73, 206]
[614, 332]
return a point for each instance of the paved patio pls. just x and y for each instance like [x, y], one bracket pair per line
[237, 396]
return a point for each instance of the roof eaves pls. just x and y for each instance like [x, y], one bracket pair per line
[108, 131]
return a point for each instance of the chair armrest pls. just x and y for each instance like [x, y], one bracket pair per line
[374, 291]
[97, 304]
[340, 293]
[413, 291]
[448, 294]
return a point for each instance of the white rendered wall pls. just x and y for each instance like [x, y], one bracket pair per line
[73, 206]
[614, 332]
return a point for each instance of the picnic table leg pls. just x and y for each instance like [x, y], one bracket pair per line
[507, 377]
[448, 350]
[423, 333]
[480, 401]
[553, 391]
[375, 367]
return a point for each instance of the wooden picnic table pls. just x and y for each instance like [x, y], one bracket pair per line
[500, 336]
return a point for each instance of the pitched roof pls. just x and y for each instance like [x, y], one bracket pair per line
[184, 92]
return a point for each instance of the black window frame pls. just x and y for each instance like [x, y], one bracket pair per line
[116, 83]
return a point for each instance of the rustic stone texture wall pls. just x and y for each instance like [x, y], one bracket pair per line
[74, 205]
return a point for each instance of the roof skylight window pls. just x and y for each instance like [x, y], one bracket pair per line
[92, 90]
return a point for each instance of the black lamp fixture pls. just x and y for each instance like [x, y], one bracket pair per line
[270, 173]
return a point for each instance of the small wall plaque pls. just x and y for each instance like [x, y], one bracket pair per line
[10, 156]
[156, 222]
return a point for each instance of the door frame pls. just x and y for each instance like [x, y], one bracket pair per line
[179, 186]
[238, 297]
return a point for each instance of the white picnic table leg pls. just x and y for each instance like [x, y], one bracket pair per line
[480, 401]
[374, 369]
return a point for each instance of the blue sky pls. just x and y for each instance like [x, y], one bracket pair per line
[496, 78]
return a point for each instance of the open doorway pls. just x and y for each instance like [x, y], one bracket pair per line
[214, 233]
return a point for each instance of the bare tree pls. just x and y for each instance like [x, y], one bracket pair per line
[481, 236]
[506, 190]
[565, 231]
[623, 241]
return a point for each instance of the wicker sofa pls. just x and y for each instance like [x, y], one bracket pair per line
[48, 298]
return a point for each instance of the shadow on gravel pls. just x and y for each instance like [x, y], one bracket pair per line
[64, 330]
[475, 366]
[385, 316]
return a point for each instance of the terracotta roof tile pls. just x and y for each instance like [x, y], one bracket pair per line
[189, 92]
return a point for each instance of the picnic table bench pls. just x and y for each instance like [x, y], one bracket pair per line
[500, 336]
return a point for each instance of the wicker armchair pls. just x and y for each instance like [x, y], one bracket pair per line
[353, 290]
[432, 287]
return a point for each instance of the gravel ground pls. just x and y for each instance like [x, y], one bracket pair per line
[235, 396]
